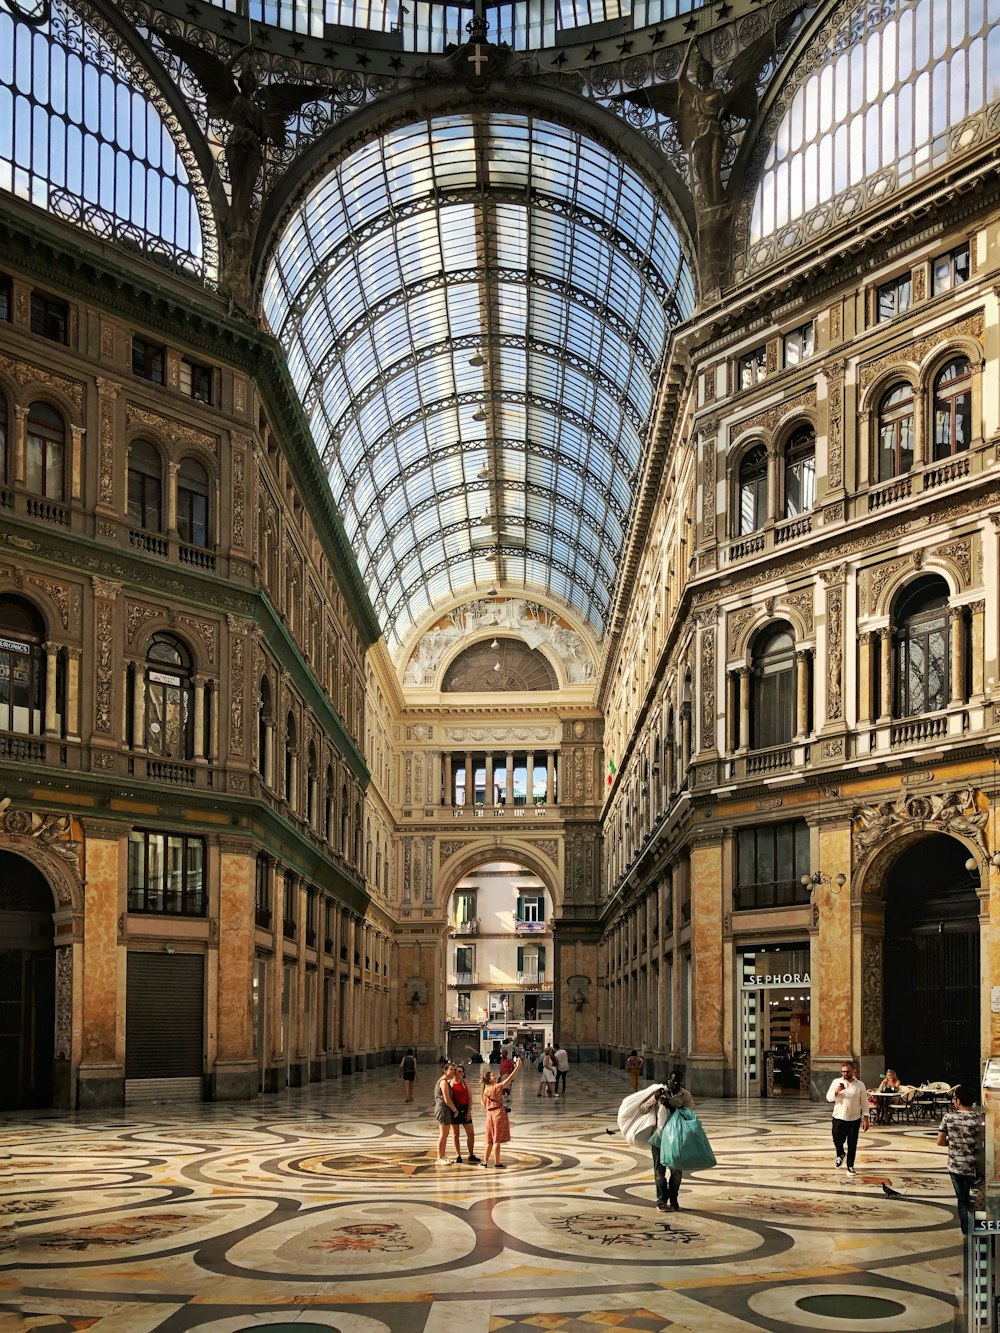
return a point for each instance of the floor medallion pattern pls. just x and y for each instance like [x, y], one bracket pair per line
[324, 1208]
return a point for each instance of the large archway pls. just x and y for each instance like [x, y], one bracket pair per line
[27, 985]
[932, 980]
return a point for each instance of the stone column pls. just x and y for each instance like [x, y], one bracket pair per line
[51, 663]
[529, 799]
[865, 701]
[449, 789]
[885, 670]
[801, 693]
[978, 644]
[76, 461]
[235, 1075]
[138, 707]
[732, 713]
[101, 1079]
[707, 1046]
[199, 718]
[171, 497]
[957, 617]
[470, 783]
[744, 675]
[20, 441]
[510, 781]
[550, 778]
[73, 656]
[269, 730]
[832, 964]
[488, 794]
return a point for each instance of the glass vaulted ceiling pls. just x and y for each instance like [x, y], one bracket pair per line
[475, 310]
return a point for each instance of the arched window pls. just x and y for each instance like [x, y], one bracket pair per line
[357, 835]
[45, 452]
[345, 822]
[922, 656]
[952, 408]
[192, 503]
[290, 760]
[752, 491]
[145, 487]
[169, 714]
[772, 707]
[895, 432]
[22, 667]
[3, 440]
[263, 727]
[800, 472]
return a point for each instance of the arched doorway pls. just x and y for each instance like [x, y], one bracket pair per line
[932, 982]
[27, 985]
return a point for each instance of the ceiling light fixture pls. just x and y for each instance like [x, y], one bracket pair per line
[479, 415]
[495, 644]
[477, 359]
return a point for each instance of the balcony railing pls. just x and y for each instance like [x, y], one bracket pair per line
[151, 542]
[952, 469]
[917, 729]
[532, 977]
[463, 979]
[21, 747]
[789, 529]
[900, 488]
[773, 760]
[47, 511]
[750, 545]
[470, 927]
[159, 770]
[196, 555]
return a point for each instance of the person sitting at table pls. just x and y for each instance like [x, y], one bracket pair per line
[890, 1082]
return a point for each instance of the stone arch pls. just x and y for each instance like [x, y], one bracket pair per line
[900, 578]
[41, 601]
[944, 351]
[52, 844]
[46, 391]
[885, 380]
[481, 853]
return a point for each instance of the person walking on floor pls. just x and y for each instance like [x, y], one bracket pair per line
[667, 1100]
[444, 1112]
[850, 1112]
[497, 1120]
[462, 1098]
[963, 1133]
[408, 1073]
[634, 1066]
[549, 1073]
[562, 1068]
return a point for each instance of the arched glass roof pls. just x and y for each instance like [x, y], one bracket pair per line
[475, 310]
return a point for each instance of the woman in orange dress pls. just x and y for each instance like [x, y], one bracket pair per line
[497, 1120]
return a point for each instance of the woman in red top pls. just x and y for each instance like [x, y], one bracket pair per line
[463, 1114]
[497, 1121]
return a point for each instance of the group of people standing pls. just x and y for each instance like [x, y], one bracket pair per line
[553, 1066]
[962, 1132]
[453, 1109]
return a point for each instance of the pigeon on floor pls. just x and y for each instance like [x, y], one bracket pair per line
[889, 1192]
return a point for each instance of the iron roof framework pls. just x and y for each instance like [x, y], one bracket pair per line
[475, 309]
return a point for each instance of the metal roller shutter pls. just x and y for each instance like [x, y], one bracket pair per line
[165, 1016]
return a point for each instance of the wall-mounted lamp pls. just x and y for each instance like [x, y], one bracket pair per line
[833, 882]
[972, 864]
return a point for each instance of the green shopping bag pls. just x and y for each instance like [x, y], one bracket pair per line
[684, 1145]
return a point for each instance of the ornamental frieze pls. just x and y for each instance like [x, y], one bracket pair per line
[22, 372]
[766, 421]
[964, 811]
[178, 432]
[914, 352]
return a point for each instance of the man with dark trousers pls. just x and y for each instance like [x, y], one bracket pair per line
[850, 1112]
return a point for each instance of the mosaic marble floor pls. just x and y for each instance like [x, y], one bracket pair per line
[323, 1208]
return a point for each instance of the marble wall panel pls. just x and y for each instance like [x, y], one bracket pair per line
[708, 977]
[236, 951]
[101, 1043]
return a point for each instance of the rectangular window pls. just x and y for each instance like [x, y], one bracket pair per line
[49, 317]
[465, 908]
[166, 874]
[752, 368]
[950, 270]
[465, 1005]
[770, 863]
[799, 345]
[196, 381]
[894, 297]
[148, 360]
[6, 300]
[464, 959]
[530, 907]
[262, 893]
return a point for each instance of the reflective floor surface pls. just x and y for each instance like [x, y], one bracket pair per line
[323, 1208]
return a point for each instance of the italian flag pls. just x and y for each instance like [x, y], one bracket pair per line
[611, 771]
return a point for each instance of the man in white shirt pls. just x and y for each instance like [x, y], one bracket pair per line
[562, 1069]
[850, 1112]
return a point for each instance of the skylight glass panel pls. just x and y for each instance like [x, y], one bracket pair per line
[561, 422]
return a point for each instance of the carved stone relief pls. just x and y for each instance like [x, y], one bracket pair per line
[802, 603]
[64, 1002]
[708, 688]
[834, 653]
[136, 615]
[960, 554]
[237, 665]
[178, 432]
[239, 498]
[104, 626]
[737, 624]
[708, 457]
[835, 421]
[24, 373]
[766, 421]
[871, 995]
[914, 353]
[963, 810]
[452, 846]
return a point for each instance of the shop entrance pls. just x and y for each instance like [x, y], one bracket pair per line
[27, 985]
[775, 1020]
[932, 981]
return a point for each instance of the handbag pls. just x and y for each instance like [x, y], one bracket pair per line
[684, 1145]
